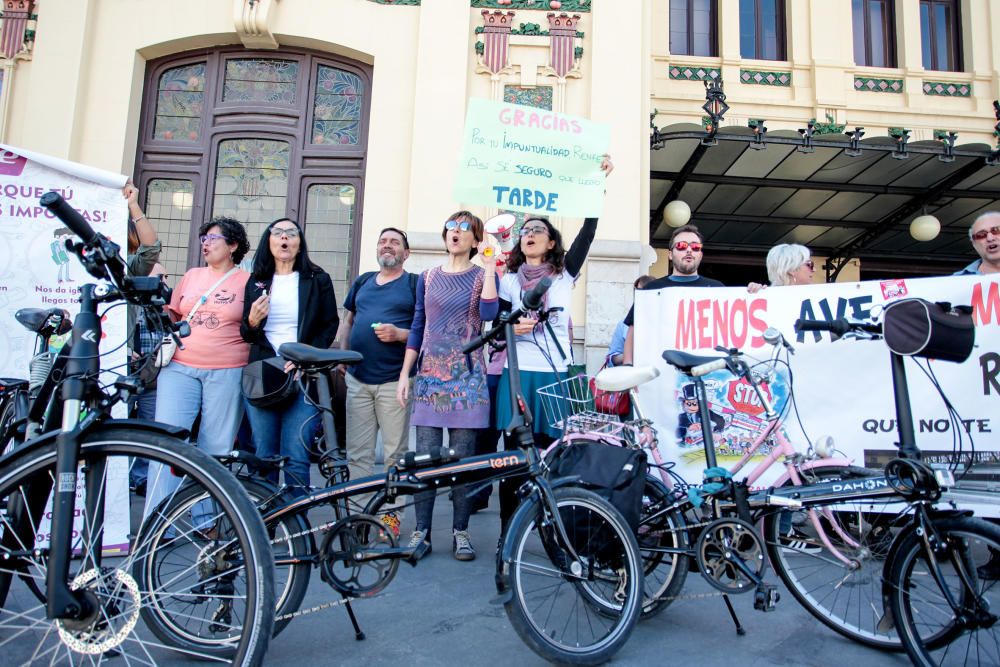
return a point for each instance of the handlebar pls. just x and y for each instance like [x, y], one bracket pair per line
[69, 216]
[838, 327]
[529, 302]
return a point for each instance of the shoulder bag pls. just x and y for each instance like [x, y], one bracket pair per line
[168, 346]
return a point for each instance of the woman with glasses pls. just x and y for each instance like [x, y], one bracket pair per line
[787, 264]
[204, 376]
[543, 348]
[450, 389]
[288, 299]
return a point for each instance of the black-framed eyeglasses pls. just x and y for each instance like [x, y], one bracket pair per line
[463, 225]
[534, 229]
[983, 233]
[290, 232]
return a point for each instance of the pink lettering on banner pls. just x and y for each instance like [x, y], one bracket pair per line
[11, 164]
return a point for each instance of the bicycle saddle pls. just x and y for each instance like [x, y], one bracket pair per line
[684, 362]
[315, 357]
[623, 378]
[36, 319]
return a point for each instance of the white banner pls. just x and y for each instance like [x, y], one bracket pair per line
[36, 271]
[842, 389]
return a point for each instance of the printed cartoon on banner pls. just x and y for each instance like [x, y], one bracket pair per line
[842, 390]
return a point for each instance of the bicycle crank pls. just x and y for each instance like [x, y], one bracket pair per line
[730, 555]
[357, 556]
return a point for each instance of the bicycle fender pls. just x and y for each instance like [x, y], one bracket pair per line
[901, 536]
[133, 424]
[524, 513]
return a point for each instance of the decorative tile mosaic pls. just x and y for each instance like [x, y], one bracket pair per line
[867, 84]
[544, 5]
[539, 96]
[947, 89]
[764, 78]
[694, 73]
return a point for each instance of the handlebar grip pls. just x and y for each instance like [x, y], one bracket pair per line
[839, 326]
[533, 299]
[62, 210]
[473, 345]
[710, 367]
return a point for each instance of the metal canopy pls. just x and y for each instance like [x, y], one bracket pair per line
[842, 196]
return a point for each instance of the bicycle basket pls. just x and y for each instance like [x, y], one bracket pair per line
[568, 397]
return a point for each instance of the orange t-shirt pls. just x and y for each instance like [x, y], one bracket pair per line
[215, 340]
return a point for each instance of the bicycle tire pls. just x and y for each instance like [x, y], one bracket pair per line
[114, 584]
[928, 627]
[291, 544]
[8, 407]
[845, 600]
[664, 573]
[612, 580]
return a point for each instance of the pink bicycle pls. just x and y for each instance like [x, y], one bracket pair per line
[830, 558]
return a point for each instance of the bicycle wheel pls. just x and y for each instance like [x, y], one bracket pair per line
[664, 572]
[846, 597]
[292, 546]
[8, 411]
[931, 631]
[202, 587]
[579, 612]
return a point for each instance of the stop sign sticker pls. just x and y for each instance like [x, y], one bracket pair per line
[744, 399]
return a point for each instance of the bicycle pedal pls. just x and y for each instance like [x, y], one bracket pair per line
[766, 597]
[418, 552]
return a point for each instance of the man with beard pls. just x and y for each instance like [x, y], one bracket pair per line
[686, 253]
[379, 311]
[985, 237]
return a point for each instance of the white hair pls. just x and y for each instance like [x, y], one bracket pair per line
[784, 258]
[980, 217]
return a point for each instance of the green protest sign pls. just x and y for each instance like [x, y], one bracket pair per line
[526, 159]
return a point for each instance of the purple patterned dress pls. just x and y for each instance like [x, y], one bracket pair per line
[450, 388]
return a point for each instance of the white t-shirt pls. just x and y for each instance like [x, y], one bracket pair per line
[282, 324]
[533, 348]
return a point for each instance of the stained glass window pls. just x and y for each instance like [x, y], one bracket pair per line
[179, 103]
[260, 80]
[168, 206]
[251, 183]
[536, 96]
[329, 226]
[337, 107]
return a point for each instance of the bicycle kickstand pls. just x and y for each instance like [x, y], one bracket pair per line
[732, 613]
[359, 635]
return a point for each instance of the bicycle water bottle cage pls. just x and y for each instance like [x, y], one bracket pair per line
[437, 456]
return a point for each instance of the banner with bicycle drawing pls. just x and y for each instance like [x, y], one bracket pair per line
[36, 271]
[841, 389]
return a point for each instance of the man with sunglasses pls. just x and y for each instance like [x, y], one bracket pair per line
[686, 253]
[985, 237]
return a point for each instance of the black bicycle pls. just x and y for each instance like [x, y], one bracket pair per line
[568, 567]
[90, 570]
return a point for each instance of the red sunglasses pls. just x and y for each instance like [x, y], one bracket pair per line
[684, 245]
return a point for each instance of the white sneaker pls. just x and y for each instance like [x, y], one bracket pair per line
[416, 538]
[796, 541]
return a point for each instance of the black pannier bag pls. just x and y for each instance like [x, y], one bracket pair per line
[919, 328]
[615, 473]
[265, 383]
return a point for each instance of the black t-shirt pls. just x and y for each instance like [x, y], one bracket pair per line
[371, 303]
[673, 281]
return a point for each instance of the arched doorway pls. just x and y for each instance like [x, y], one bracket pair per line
[255, 136]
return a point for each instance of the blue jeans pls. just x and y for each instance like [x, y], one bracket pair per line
[181, 393]
[289, 430]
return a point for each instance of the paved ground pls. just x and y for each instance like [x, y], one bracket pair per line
[442, 613]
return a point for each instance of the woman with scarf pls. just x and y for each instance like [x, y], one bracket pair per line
[543, 348]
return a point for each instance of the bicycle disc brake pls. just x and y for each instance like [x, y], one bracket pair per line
[349, 556]
[731, 555]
